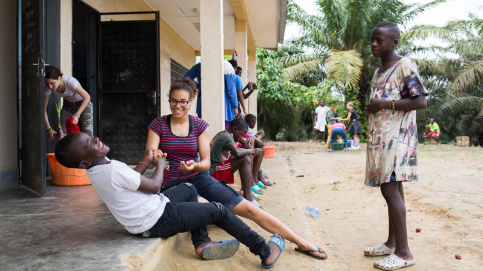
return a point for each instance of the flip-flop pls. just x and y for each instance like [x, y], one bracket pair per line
[266, 183]
[256, 189]
[393, 262]
[307, 252]
[280, 242]
[261, 185]
[221, 250]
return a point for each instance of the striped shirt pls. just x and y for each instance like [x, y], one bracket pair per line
[178, 148]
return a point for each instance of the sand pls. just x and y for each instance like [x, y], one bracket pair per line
[446, 204]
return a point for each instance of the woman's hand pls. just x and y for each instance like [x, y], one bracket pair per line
[51, 133]
[76, 119]
[188, 166]
[376, 105]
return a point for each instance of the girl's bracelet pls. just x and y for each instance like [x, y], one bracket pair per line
[48, 129]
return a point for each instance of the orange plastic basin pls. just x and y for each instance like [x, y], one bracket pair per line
[269, 152]
[66, 176]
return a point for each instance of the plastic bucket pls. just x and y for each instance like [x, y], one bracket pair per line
[66, 176]
[269, 152]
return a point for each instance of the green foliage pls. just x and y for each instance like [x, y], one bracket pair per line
[285, 109]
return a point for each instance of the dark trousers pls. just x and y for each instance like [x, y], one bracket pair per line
[183, 213]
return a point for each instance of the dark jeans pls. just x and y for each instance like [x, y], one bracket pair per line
[183, 213]
[210, 189]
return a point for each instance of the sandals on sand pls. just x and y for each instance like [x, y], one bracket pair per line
[307, 252]
[393, 262]
[378, 250]
[280, 242]
[261, 185]
[221, 250]
[256, 189]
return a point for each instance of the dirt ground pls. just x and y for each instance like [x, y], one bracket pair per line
[446, 204]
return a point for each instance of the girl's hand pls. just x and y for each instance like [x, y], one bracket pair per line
[159, 154]
[76, 119]
[51, 133]
[187, 166]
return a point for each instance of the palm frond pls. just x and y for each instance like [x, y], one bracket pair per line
[345, 68]
[469, 75]
[297, 59]
[300, 68]
[420, 9]
[426, 31]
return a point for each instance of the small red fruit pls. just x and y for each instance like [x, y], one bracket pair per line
[457, 257]
[418, 230]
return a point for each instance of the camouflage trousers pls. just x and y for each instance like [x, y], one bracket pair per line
[85, 120]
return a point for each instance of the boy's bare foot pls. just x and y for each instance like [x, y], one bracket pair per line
[314, 251]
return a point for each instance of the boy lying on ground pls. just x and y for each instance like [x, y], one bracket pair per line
[136, 203]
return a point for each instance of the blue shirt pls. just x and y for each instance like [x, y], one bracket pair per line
[195, 72]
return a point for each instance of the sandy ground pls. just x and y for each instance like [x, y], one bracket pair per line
[446, 204]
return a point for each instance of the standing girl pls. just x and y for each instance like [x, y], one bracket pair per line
[355, 128]
[77, 102]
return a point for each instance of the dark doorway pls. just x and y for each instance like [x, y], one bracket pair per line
[31, 96]
[84, 51]
[129, 83]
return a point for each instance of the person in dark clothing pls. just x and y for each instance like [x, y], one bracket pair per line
[355, 128]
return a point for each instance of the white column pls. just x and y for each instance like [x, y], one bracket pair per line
[66, 36]
[252, 77]
[212, 81]
[241, 47]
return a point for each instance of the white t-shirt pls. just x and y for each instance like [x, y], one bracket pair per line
[69, 94]
[321, 114]
[117, 184]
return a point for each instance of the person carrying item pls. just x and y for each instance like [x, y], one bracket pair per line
[185, 140]
[338, 129]
[392, 141]
[355, 129]
[76, 104]
[136, 203]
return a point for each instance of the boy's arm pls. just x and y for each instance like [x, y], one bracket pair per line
[239, 152]
[405, 104]
[153, 185]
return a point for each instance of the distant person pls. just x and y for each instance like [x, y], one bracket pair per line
[136, 203]
[195, 73]
[331, 119]
[240, 89]
[355, 129]
[77, 102]
[320, 121]
[433, 131]
[392, 142]
[252, 121]
[338, 129]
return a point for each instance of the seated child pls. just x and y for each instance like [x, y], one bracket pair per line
[136, 203]
[337, 129]
[224, 142]
[251, 120]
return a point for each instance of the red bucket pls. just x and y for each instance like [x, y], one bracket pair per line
[269, 152]
[66, 176]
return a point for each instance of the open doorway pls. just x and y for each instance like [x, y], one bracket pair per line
[84, 52]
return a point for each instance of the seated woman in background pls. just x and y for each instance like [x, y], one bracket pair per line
[184, 138]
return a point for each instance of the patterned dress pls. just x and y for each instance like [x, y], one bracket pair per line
[392, 140]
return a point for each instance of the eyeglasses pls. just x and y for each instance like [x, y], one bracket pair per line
[173, 102]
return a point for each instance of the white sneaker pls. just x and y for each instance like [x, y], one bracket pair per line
[310, 141]
[357, 147]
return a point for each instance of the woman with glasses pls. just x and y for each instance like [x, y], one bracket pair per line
[185, 139]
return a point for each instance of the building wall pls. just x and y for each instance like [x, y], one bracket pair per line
[171, 44]
[8, 103]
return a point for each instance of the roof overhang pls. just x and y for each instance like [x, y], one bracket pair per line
[265, 21]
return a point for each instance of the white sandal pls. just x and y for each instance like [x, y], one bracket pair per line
[393, 262]
[378, 250]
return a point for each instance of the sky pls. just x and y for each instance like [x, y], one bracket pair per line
[439, 15]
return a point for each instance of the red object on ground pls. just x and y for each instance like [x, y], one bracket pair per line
[457, 257]
[418, 230]
[71, 127]
[223, 172]
[269, 151]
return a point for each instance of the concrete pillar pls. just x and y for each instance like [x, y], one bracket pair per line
[66, 36]
[212, 83]
[252, 77]
[241, 47]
